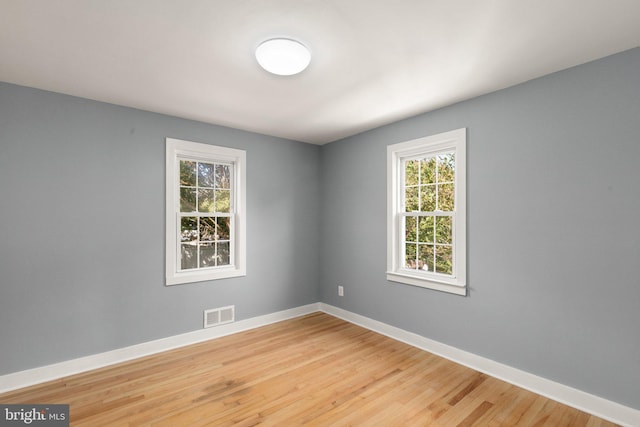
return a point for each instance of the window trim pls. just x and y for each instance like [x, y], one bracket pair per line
[396, 153]
[176, 149]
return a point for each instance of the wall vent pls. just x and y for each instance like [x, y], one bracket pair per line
[219, 316]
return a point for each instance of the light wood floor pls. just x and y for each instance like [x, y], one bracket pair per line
[315, 370]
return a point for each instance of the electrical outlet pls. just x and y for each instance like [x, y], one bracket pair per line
[340, 290]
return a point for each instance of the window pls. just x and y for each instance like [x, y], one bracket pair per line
[426, 214]
[205, 230]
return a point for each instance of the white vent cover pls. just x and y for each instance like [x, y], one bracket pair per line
[219, 316]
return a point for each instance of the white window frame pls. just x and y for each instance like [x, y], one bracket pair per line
[177, 149]
[448, 141]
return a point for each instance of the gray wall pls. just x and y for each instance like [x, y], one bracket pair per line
[553, 191]
[82, 228]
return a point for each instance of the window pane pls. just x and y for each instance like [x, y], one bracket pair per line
[206, 175]
[427, 198]
[446, 197]
[223, 176]
[188, 256]
[410, 256]
[223, 226]
[410, 229]
[444, 260]
[444, 232]
[207, 255]
[223, 200]
[425, 257]
[428, 171]
[446, 167]
[188, 229]
[425, 229]
[187, 173]
[223, 257]
[187, 199]
[411, 172]
[205, 200]
[411, 199]
[207, 229]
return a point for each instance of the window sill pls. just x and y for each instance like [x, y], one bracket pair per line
[204, 275]
[429, 283]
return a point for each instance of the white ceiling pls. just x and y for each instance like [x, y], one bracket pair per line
[373, 61]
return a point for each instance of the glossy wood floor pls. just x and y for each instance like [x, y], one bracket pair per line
[314, 370]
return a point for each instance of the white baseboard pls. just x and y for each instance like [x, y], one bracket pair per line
[583, 401]
[63, 369]
[569, 396]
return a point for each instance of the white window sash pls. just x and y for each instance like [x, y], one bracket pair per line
[231, 240]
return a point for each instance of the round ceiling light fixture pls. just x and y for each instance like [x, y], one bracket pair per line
[284, 57]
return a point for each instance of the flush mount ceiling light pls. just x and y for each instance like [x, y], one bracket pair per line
[284, 57]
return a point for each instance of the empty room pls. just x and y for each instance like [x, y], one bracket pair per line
[319, 212]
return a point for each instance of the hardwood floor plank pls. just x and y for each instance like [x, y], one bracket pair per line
[314, 370]
[478, 412]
